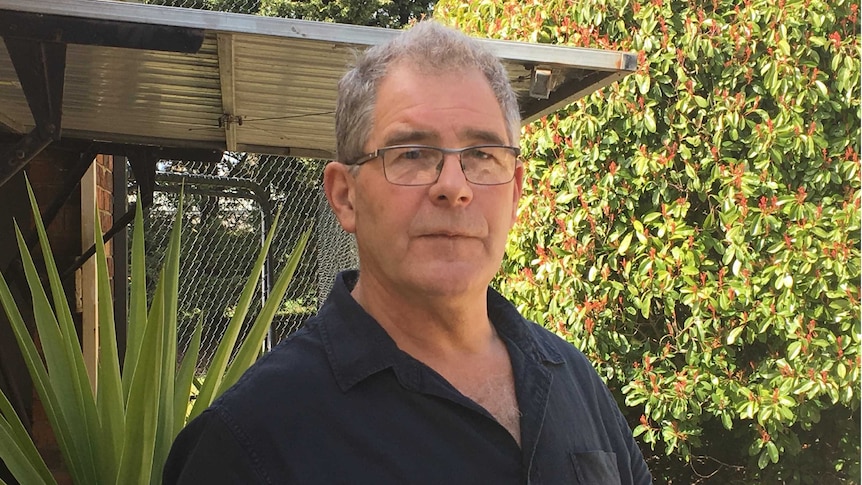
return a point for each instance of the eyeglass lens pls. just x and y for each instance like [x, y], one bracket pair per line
[412, 165]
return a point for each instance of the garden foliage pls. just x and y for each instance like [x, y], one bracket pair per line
[695, 227]
[118, 428]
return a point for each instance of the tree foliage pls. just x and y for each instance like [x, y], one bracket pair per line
[694, 228]
[380, 13]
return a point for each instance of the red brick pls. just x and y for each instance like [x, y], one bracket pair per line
[107, 161]
[106, 220]
[104, 199]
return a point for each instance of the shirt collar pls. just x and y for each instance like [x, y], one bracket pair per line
[358, 347]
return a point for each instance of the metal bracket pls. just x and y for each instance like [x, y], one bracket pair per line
[541, 83]
[227, 119]
[41, 68]
[14, 159]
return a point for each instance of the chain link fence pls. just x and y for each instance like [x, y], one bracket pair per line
[228, 209]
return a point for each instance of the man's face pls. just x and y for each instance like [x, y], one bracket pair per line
[447, 238]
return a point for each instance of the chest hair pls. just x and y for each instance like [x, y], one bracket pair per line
[496, 393]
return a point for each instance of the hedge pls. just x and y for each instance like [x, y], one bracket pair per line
[695, 227]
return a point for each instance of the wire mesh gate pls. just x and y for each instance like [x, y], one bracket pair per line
[228, 209]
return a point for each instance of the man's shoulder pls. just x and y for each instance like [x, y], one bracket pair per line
[296, 367]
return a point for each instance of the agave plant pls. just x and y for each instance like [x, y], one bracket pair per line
[121, 432]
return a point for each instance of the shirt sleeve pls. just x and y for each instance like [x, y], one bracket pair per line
[207, 451]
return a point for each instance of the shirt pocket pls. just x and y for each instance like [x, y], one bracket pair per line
[596, 468]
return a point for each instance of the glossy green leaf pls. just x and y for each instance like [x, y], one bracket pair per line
[624, 244]
[137, 300]
[185, 377]
[73, 413]
[250, 347]
[109, 395]
[17, 449]
[212, 384]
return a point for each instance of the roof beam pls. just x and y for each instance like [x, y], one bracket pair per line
[110, 33]
[230, 119]
[41, 69]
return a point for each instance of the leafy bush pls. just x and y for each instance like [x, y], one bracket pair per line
[694, 228]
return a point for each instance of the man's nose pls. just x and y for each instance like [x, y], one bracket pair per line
[451, 185]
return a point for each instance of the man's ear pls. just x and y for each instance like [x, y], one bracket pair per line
[339, 186]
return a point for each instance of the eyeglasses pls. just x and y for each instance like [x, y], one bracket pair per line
[421, 164]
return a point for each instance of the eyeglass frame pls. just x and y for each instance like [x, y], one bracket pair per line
[378, 153]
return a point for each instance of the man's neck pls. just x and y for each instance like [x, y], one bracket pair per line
[422, 325]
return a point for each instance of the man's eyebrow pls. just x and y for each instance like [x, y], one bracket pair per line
[408, 137]
[475, 136]
[484, 136]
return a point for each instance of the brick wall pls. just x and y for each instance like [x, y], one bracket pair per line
[105, 199]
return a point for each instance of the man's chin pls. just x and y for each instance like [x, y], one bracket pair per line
[451, 279]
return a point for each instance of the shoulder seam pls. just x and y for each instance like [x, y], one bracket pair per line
[243, 439]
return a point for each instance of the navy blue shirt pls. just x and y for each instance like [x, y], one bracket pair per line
[339, 402]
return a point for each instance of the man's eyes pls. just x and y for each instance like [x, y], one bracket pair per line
[416, 154]
[479, 154]
[430, 155]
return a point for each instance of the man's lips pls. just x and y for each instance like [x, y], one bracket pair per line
[448, 234]
[433, 227]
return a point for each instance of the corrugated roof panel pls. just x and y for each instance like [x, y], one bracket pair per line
[132, 92]
[288, 85]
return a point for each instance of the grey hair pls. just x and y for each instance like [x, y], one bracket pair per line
[430, 47]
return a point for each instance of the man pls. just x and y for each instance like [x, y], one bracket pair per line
[415, 371]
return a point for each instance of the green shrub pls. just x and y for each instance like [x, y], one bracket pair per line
[694, 228]
[121, 432]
